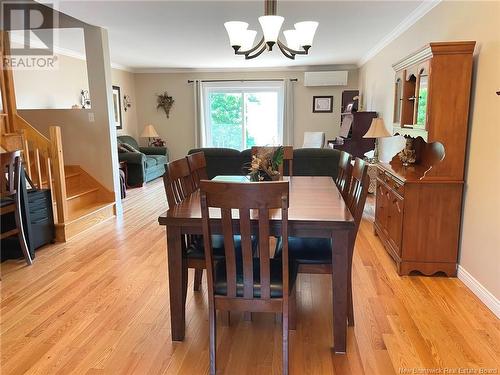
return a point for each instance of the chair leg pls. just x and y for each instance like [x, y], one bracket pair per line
[285, 340]
[21, 236]
[247, 316]
[184, 279]
[292, 309]
[350, 307]
[198, 274]
[213, 338]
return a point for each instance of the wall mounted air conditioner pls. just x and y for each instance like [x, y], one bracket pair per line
[332, 78]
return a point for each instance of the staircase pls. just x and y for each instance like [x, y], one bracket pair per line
[88, 202]
[80, 202]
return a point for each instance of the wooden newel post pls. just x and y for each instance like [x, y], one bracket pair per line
[56, 154]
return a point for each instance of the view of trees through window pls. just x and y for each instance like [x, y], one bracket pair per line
[241, 120]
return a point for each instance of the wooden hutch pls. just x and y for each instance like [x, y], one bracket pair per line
[418, 207]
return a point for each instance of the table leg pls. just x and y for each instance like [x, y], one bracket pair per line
[339, 290]
[175, 283]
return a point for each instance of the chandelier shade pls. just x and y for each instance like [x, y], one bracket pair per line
[298, 40]
[271, 26]
[305, 32]
[236, 31]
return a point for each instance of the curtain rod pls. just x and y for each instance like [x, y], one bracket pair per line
[242, 80]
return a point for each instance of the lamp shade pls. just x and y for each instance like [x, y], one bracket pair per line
[149, 132]
[377, 129]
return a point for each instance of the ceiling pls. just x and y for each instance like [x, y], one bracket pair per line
[191, 34]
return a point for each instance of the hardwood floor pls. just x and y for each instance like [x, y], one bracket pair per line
[98, 304]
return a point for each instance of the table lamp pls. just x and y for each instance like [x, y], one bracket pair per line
[149, 132]
[377, 130]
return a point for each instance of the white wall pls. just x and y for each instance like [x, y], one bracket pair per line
[450, 20]
[178, 130]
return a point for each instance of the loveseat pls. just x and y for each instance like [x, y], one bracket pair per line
[145, 165]
[306, 161]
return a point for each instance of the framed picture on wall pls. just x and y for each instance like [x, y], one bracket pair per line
[322, 104]
[117, 107]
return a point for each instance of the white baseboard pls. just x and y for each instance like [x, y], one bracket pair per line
[479, 290]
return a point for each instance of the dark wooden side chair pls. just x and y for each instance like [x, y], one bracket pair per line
[178, 183]
[11, 198]
[244, 282]
[344, 173]
[287, 157]
[314, 255]
[179, 186]
[198, 168]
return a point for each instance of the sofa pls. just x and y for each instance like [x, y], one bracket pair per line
[306, 161]
[145, 165]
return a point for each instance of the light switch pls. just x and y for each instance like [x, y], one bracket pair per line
[91, 117]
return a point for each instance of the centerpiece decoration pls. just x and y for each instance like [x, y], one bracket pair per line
[266, 164]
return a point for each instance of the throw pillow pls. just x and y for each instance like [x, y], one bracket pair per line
[129, 148]
[121, 149]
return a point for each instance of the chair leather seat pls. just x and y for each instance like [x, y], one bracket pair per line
[275, 275]
[307, 250]
[6, 201]
[196, 250]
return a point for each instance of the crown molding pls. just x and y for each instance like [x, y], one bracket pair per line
[409, 21]
[69, 53]
[249, 69]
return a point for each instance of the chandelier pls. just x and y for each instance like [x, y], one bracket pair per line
[298, 40]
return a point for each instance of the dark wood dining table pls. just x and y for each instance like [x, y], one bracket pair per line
[317, 209]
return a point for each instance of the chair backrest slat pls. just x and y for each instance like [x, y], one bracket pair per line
[287, 156]
[227, 229]
[11, 167]
[344, 173]
[177, 181]
[358, 190]
[198, 166]
[249, 199]
[247, 252]
[265, 283]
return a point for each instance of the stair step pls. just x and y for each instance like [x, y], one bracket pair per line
[80, 192]
[88, 210]
[72, 174]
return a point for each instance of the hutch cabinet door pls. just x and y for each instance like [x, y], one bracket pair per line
[395, 221]
[381, 206]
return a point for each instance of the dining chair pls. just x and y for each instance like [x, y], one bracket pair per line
[10, 201]
[198, 168]
[287, 157]
[314, 255]
[242, 282]
[178, 184]
[344, 173]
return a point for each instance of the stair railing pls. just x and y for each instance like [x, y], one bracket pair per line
[44, 163]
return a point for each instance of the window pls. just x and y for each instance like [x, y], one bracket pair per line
[240, 115]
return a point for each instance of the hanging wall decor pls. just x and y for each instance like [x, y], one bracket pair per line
[165, 102]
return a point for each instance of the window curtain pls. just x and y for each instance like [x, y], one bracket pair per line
[199, 118]
[288, 113]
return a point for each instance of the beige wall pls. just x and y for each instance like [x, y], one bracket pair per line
[178, 130]
[47, 103]
[450, 20]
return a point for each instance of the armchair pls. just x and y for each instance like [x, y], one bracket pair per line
[145, 165]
